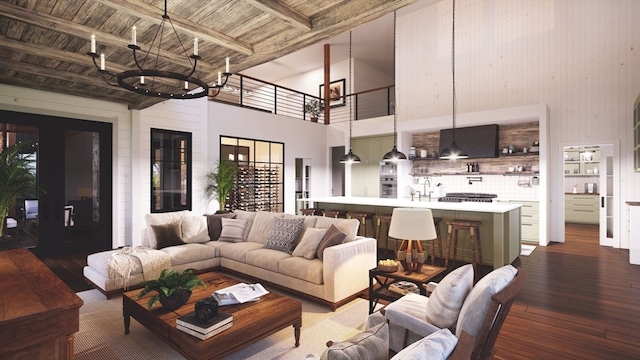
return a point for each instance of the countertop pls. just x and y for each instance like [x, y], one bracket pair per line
[492, 207]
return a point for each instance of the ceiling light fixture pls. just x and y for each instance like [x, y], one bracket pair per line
[453, 152]
[350, 157]
[153, 81]
[394, 155]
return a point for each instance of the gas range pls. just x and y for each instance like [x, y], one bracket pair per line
[473, 197]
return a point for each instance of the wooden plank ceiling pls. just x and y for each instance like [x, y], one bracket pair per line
[44, 43]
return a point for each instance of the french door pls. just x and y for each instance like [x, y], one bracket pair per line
[73, 166]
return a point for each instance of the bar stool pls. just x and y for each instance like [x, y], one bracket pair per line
[333, 213]
[436, 223]
[362, 217]
[474, 235]
[384, 219]
[311, 211]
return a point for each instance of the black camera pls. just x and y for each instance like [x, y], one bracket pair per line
[206, 309]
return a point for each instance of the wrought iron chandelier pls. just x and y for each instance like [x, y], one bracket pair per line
[146, 79]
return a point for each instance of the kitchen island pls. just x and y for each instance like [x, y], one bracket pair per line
[499, 232]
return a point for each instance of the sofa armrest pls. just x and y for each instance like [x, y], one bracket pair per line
[346, 267]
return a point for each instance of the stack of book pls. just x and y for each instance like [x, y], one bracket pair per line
[204, 330]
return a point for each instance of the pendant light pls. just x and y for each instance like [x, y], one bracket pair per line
[453, 152]
[350, 157]
[394, 155]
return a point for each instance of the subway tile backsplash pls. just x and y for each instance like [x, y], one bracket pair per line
[506, 187]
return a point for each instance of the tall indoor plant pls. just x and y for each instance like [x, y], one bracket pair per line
[16, 178]
[222, 181]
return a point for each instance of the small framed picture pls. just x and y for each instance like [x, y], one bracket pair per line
[336, 93]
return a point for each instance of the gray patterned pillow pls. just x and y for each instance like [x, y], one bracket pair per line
[284, 234]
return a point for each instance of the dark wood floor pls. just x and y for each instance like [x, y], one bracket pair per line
[581, 301]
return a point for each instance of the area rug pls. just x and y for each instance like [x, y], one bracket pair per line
[526, 249]
[101, 335]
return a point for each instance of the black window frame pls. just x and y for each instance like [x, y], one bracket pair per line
[174, 165]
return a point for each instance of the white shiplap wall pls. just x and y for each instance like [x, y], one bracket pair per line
[581, 57]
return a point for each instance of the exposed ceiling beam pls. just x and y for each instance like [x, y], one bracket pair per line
[150, 13]
[68, 28]
[283, 12]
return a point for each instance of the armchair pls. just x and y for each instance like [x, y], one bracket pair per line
[481, 314]
[30, 209]
[68, 216]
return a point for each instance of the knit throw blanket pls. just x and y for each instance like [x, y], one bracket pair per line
[153, 262]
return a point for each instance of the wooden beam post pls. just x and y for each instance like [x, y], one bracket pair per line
[327, 80]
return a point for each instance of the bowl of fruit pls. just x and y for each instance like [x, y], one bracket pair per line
[388, 265]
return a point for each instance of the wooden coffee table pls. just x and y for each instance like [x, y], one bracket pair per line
[251, 321]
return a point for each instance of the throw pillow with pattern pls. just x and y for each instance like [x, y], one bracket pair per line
[284, 234]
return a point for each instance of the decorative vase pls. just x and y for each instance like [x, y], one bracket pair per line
[178, 299]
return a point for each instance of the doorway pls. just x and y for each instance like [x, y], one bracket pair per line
[589, 201]
[73, 169]
[337, 171]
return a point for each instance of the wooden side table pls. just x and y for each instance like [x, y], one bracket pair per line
[379, 282]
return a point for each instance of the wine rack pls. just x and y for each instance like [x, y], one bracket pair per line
[259, 188]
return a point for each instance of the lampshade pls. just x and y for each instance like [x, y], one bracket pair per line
[412, 224]
[453, 152]
[394, 155]
[350, 158]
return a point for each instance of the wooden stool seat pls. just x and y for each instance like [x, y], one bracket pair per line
[362, 217]
[474, 235]
[311, 211]
[334, 213]
[436, 223]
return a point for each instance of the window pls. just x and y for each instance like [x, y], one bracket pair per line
[170, 170]
[260, 185]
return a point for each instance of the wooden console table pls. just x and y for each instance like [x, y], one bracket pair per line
[39, 314]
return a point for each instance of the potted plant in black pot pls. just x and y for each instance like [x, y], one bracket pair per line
[313, 108]
[173, 288]
[222, 181]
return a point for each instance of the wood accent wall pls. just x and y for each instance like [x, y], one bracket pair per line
[521, 135]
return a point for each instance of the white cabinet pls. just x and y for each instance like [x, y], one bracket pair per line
[584, 160]
[582, 209]
[365, 176]
[529, 221]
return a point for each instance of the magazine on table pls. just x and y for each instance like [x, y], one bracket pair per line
[190, 321]
[239, 293]
[404, 287]
[204, 336]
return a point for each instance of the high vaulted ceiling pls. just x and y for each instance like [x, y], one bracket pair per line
[44, 43]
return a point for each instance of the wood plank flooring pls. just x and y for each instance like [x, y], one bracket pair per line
[581, 301]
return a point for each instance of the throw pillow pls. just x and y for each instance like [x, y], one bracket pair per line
[168, 234]
[446, 300]
[284, 234]
[347, 226]
[309, 244]
[194, 229]
[214, 224]
[247, 215]
[233, 230]
[262, 225]
[477, 304]
[437, 346]
[332, 237]
[371, 344]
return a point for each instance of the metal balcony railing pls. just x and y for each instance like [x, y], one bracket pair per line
[251, 93]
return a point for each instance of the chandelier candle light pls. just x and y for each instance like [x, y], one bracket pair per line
[128, 79]
[412, 225]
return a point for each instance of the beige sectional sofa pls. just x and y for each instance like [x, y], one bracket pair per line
[335, 279]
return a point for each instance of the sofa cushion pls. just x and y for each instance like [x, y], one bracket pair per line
[194, 229]
[100, 262]
[303, 269]
[159, 219]
[247, 215]
[437, 346]
[309, 244]
[332, 237]
[238, 251]
[284, 235]
[189, 253]
[347, 226]
[233, 230]
[167, 234]
[262, 225]
[477, 303]
[371, 344]
[446, 300]
[265, 258]
[214, 224]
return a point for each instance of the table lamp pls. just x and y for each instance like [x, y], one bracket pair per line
[412, 225]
